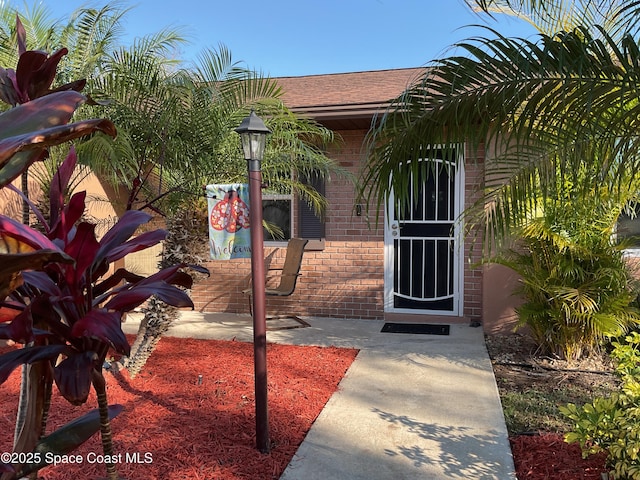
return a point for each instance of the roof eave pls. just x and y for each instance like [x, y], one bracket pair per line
[359, 113]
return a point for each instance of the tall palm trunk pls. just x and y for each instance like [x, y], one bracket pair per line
[158, 317]
[186, 242]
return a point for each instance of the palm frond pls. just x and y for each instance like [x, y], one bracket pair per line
[90, 35]
[540, 107]
[552, 17]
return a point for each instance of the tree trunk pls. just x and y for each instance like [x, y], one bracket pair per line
[157, 319]
[25, 191]
[105, 424]
[185, 243]
[35, 391]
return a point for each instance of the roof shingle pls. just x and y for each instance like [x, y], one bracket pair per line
[355, 88]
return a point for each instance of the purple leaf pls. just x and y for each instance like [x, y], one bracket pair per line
[174, 276]
[75, 208]
[28, 129]
[28, 63]
[132, 296]
[71, 213]
[119, 276]
[37, 70]
[129, 299]
[73, 376]
[199, 269]
[25, 234]
[121, 232]
[12, 267]
[18, 159]
[34, 141]
[68, 437]
[20, 329]
[59, 185]
[10, 361]
[45, 315]
[78, 86]
[137, 243]
[105, 326]
[42, 282]
[7, 90]
[21, 34]
[39, 114]
[181, 279]
[163, 275]
[41, 219]
[83, 247]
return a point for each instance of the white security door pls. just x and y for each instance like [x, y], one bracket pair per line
[423, 245]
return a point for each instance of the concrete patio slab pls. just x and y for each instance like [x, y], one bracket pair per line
[410, 407]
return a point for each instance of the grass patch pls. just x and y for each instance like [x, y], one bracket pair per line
[533, 411]
[528, 410]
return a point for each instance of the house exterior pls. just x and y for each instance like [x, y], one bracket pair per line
[408, 269]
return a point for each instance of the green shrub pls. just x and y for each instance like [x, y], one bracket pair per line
[612, 424]
[577, 288]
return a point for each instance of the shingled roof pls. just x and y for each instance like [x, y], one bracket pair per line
[346, 100]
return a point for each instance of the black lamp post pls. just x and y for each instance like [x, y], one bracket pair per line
[253, 134]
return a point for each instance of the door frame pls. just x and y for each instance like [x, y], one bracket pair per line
[389, 269]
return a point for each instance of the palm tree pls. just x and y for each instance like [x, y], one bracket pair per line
[185, 138]
[615, 16]
[176, 125]
[562, 103]
[176, 133]
[561, 114]
[42, 32]
[88, 36]
[576, 286]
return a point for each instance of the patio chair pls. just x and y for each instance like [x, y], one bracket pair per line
[287, 279]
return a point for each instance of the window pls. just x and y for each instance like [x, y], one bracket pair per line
[628, 229]
[311, 226]
[277, 212]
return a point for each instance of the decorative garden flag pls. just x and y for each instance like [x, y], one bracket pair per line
[229, 235]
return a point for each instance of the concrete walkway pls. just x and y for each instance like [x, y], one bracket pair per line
[410, 406]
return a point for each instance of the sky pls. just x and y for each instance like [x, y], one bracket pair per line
[308, 37]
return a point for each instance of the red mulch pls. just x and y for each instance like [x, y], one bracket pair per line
[206, 431]
[548, 456]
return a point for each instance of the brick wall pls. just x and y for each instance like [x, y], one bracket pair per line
[350, 270]
[345, 279]
[473, 276]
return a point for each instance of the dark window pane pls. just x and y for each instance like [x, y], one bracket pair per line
[310, 226]
[628, 229]
[277, 213]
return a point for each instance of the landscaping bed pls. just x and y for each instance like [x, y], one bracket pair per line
[532, 387]
[175, 427]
